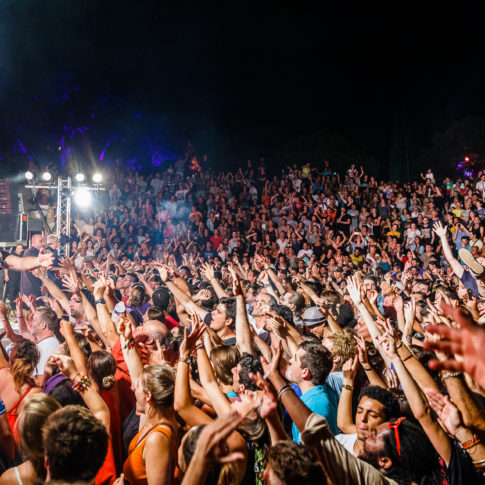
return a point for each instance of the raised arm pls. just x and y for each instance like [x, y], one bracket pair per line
[28, 263]
[441, 232]
[243, 333]
[417, 402]
[208, 273]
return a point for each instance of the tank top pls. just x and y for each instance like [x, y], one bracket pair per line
[12, 415]
[135, 467]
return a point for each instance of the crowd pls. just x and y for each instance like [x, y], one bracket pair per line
[245, 328]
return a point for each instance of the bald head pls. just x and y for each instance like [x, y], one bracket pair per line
[153, 329]
[38, 241]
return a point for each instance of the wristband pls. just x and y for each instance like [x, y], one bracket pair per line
[82, 384]
[399, 346]
[367, 369]
[470, 443]
[102, 301]
[184, 361]
[129, 344]
[3, 409]
[285, 388]
[451, 374]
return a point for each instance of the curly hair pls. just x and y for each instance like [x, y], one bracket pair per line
[343, 345]
[249, 363]
[23, 361]
[295, 463]
[392, 409]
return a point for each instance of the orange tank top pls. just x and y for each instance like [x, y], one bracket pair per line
[135, 468]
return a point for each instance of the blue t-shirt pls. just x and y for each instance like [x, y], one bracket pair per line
[322, 400]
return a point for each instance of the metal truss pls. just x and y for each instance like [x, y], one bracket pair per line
[64, 215]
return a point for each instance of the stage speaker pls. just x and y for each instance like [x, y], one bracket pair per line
[14, 229]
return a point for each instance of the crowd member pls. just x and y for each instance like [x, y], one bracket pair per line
[311, 301]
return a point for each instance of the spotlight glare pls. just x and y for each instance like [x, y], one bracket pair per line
[82, 197]
[467, 159]
[47, 176]
[97, 178]
[29, 175]
[80, 177]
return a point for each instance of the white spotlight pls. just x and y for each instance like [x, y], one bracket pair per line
[80, 177]
[97, 178]
[46, 176]
[29, 175]
[82, 197]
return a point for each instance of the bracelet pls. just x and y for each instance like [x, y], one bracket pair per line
[184, 361]
[3, 408]
[367, 369]
[410, 356]
[479, 464]
[451, 374]
[82, 384]
[129, 344]
[470, 443]
[285, 388]
[265, 377]
[399, 346]
[102, 301]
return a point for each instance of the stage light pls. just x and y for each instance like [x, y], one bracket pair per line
[47, 176]
[29, 175]
[80, 177]
[97, 178]
[82, 197]
[467, 159]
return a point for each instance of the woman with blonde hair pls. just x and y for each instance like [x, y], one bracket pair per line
[35, 412]
[152, 454]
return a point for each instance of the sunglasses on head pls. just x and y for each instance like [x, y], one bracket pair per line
[395, 425]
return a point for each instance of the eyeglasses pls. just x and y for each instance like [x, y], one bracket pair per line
[395, 425]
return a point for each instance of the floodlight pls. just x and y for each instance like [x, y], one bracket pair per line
[80, 177]
[97, 178]
[29, 175]
[47, 176]
[82, 197]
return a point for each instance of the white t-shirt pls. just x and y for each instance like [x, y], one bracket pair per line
[347, 441]
[46, 347]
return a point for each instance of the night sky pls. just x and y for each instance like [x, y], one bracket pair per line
[245, 79]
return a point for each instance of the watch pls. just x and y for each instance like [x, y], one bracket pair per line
[348, 387]
[101, 300]
[185, 361]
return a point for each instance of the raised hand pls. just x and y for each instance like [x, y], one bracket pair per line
[66, 329]
[349, 369]
[236, 284]
[71, 284]
[46, 259]
[189, 343]
[274, 365]
[269, 403]
[353, 289]
[447, 412]
[361, 350]
[439, 230]
[30, 302]
[65, 365]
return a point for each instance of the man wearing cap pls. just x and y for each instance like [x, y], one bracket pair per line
[314, 322]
